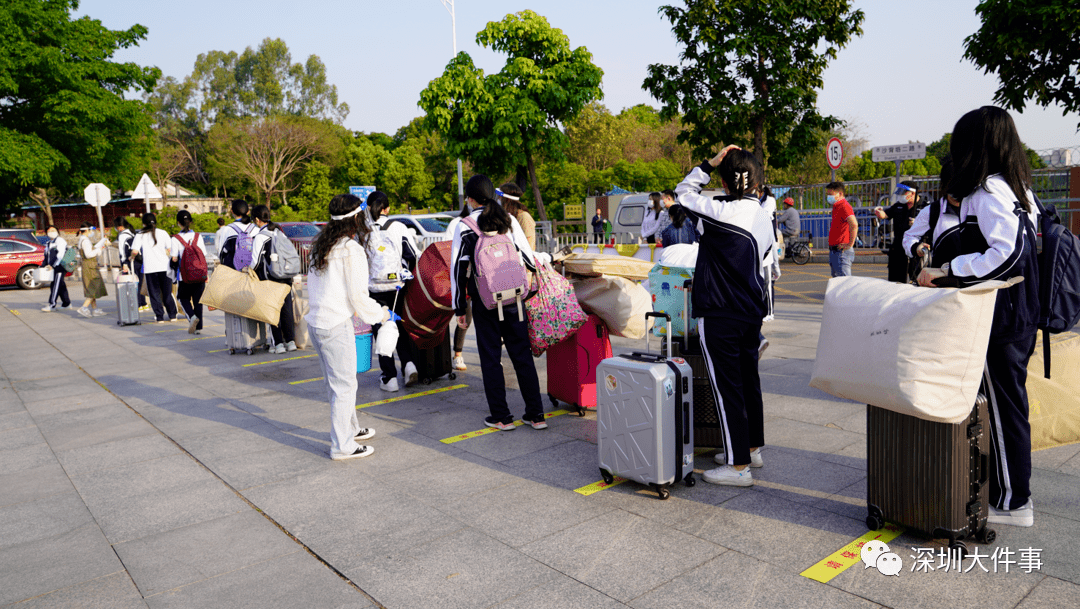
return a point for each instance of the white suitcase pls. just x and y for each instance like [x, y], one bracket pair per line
[645, 427]
[241, 333]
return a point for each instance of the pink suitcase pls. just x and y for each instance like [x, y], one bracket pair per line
[571, 367]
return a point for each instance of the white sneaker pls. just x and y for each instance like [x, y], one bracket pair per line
[85, 312]
[1023, 516]
[48, 308]
[755, 458]
[290, 346]
[411, 377]
[193, 325]
[363, 451]
[762, 347]
[390, 385]
[98, 313]
[279, 348]
[364, 434]
[727, 475]
[459, 363]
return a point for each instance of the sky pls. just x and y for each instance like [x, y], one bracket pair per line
[903, 80]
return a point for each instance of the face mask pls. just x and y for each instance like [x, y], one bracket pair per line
[831, 199]
[53, 234]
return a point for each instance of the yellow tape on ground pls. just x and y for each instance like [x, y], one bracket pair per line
[188, 340]
[275, 361]
[217, 350]
[171, 330]
[836, 563]
[487, 430]
[306, 381]
[14, 312]
[410, 396]
[596, 487]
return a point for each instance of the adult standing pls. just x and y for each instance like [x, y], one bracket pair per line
[189, 290]
[998, 216]
[843, 230]
[598, 226]
[153, 244]
[54, 254]
[511, 202]
[93, 284]
[124, 237]
[284, 332]
[654, 220]
[902, 213]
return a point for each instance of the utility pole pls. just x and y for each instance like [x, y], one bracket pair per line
[449, 6]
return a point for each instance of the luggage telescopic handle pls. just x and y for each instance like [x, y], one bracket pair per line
[667, 318]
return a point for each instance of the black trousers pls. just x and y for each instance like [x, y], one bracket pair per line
[898, 262]
[1010, 431]
[59, 288]
[731, 354]
[491, 334]
[142, 299]
[405, 347]
[285, 330]
[189, 295]
[159, 286]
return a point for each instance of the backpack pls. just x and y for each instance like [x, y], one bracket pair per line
[1059, 278]
[499, 269]
[286, 263]
[384, 261]
[916, 263]
[70, 260]
[242, 256]
[192, 262]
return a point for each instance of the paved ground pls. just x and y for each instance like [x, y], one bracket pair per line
[139, 468]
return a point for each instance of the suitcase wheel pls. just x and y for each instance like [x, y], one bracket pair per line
[960, 547]
[874, 522]
[606, 475]
[554, 401]
[689, 480]
[986, 535]
[452, 376]
[250, 352]
[662, 491]
[580, 411]
[232, 351]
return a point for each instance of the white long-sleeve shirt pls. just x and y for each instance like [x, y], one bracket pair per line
[340, 290]
[652, 224]
[88, 249]
[156, 256]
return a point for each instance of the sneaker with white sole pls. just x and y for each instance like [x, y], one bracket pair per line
[762, 347]
[47, 308]
[290, 346]
[65, 306]
[390, 385]
[539, 423]
[755, 458]
[1023, 516]
[459, 363]
[84, 311]
[98, 313]
[278, 349]
[499, 424]
[727, 475]
[363, 451]
[364, 434]
[193, 325]
[411, 376]
[144, 308]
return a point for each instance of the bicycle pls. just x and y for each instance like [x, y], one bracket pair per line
[801, 251]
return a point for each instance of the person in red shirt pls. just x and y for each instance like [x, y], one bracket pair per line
[842, 231]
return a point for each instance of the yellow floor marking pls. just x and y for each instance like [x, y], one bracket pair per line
[306, 381]
[275, 361]
[487, 430]
[201, 338]
[14, 312]
[596, 487]
[411, 395]
[172, 330]
[796, 294]
[836, 563]
[218, 350]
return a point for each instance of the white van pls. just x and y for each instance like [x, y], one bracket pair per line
[631, 211]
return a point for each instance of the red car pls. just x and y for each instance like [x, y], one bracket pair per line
[18, 259]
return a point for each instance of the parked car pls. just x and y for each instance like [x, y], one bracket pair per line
[631, 211]
[425, 225]
[209, 241]
[18, 259]
[300, 233]
[24, 234]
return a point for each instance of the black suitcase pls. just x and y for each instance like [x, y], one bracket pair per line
[435, 363]
[929, 476]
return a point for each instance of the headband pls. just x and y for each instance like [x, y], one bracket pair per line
[351, 213]
[506, 196]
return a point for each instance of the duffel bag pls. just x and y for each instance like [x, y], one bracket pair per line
[428, 309]
[241, 293]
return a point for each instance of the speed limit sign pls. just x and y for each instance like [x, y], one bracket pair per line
[834, 153]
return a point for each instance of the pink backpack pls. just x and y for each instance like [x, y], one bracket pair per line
[500, 270]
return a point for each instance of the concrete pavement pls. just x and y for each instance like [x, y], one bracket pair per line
[139, 467]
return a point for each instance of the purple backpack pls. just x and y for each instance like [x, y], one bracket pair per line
[243, 255]
[500, 270]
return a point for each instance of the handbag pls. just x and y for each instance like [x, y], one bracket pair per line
[242, 293]
[554, 312]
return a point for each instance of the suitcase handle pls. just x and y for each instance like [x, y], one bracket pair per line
[667, 317]
[984, 468]
[686, 423]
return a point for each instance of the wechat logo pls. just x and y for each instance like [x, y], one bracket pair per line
[876, 554]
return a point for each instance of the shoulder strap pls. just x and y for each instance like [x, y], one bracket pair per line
[472, 224]
[935, 213]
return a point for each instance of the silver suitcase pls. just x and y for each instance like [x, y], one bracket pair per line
[127, 303]
[240, 333]
[645, 427]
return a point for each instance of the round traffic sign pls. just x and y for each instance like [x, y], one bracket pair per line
[834, 153]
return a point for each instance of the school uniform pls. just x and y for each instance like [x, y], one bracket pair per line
[54, 254]
[335, 294]
[261, 250]
[491, 333]
[188, 293]
[731, 297]
[228, 244]
[123, 245]
[156, 260]
[997, 241]
[945, 242]
[460, 333]
[392, 298]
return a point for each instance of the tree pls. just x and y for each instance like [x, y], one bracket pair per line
[749, 72]
[596, 137]
[1034, 48]
[64, 121]
[510, 119]
[167, 163]
[268, 151]
[314, 193]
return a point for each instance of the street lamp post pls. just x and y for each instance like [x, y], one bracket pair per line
[449, 6]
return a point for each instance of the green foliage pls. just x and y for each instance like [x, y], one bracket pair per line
[749, 72]
[166, 221]
[311, 199]
[505, 121]
[940, 148]
[1034, 48]
[64, 122]
[863, 168]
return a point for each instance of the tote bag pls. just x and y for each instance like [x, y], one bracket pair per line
[554, 312]
[241, 293]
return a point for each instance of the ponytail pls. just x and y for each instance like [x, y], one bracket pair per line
[494, 218]
[149, 225]
[742, 173]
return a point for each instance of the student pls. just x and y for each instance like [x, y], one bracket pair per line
[284, 332]
[399, 257]
[491, 332]
[93, 284]
[154, 245]
[219, 236]
[681, 229]
[461, 328]
[124, 236]
[510, 199]
[992, 180]
[944, 244]
[54, 254]
[655, 219]
[235, 250]
[337, 290]
[189, 293]
[730, 298]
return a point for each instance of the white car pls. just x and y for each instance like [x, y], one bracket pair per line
[425, 225]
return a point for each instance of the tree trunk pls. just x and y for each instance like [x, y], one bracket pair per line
[535, 186]
[521, 177]
[41, 197]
